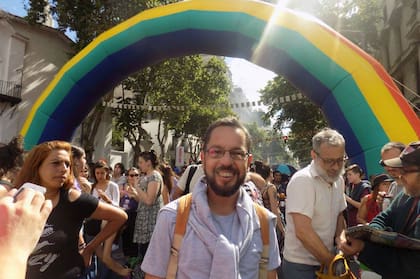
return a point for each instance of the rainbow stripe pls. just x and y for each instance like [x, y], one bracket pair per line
[355, 93]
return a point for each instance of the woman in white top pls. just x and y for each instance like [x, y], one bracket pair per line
[107, 191]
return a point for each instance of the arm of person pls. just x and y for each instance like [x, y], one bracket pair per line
[85, 185]
[115, 218]
[165, 195]
[355, 203]
[148, 197]
[352, 202]
[272, 274]
[256, 179]
[388, 261]
[272, 195]
[21, 225]
[310, 239]
[362, 212]
[177, 192]
[340, 227]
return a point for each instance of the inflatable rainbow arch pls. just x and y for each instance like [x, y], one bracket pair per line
[353, 90]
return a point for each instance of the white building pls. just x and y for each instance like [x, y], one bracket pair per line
[30, 56]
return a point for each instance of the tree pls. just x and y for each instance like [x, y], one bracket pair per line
[355, 19]
[267, 146]
[303, 118]
[192, 93]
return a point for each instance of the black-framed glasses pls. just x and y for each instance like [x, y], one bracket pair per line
[235, 154]
[331, 162]
[133, 175]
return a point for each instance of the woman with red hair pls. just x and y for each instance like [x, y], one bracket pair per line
[58, 253]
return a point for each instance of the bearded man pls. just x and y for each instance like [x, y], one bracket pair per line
[315, 205]
[223, 234]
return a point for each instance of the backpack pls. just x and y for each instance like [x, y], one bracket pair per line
[183, 212]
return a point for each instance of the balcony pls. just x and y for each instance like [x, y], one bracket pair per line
[10, 92]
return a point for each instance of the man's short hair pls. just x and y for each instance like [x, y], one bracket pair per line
[328, 136]
[227, 122]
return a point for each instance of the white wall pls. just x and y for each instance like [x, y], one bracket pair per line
[42, 51]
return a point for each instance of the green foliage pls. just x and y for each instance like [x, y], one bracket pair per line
[355, 19]
[267, 146]
[302, 117]
[88, 18]
[194, 92]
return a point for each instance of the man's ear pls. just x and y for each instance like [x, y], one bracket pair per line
[313, 154]
[249, 160]
[202, 156]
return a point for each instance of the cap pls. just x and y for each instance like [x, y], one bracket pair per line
[410, 156]
[379, 179]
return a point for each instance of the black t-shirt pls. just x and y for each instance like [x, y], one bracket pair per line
[56, 254]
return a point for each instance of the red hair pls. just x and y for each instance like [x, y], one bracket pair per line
[33, 161]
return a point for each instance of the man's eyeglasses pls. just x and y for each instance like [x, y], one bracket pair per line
[235, 154]
[133, 175]
[332, 162]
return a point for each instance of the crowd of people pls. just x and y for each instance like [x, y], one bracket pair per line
[102, 222]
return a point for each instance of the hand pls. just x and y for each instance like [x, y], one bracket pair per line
[104, 196]
[349, 246]
[85, 185]
[22, 222]
[380, 198]
[131, 191]
[86, 255]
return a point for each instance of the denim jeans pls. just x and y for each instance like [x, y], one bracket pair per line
[298, 271]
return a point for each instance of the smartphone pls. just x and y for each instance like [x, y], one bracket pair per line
[32, 186]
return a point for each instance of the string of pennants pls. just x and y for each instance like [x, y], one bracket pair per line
[280, 100]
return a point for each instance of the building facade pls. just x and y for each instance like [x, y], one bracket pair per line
[30, 57]
[400, 48]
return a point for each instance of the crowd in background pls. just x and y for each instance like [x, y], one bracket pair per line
[104, 217]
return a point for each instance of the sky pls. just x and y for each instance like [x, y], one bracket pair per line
[246, 75]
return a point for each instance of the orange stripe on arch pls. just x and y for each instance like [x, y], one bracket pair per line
[386, 78]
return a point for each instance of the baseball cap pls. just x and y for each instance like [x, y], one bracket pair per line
[379, 179]
[410, 156]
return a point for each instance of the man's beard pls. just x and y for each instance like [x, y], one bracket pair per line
[325, 176]
[224, 190]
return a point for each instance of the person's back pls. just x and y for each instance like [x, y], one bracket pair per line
[188, 180]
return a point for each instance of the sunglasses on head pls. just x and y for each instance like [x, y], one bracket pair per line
[133, 175]
[411, 148]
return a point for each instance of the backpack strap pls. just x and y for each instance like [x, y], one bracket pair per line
[265, 236]
[191, 173]
[184, 206]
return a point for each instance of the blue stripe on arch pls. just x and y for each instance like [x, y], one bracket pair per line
[106, 75]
